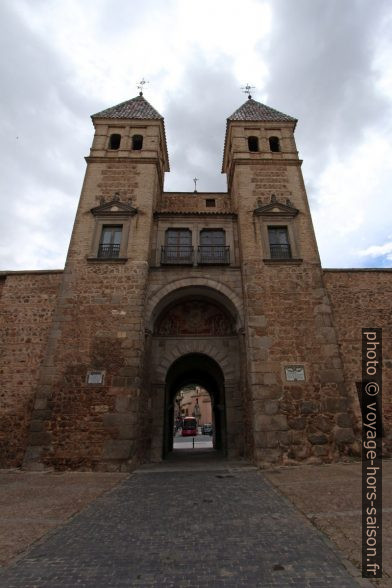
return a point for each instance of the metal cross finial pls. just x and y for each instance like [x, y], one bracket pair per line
[246, 90]
[195, 180]
[140, 86]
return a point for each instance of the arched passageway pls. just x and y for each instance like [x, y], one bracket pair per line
[195, 337]
[196, 368]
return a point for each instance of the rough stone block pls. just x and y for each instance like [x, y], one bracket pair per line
[344, 420]
[36, 426]
[344, 435]
[117, 449]
[257, 321]
[120, 419]
[123, 403]
[320, 450]
[332, 375]
[40, 403]
[297, 437]
[271, 423]
[266, 392]
[39, 438]
[328, 334]
[41, 414]
[269, 379]
[271, 407]
[298, 423]
[301, 452]
[318, 439]
[322, 423]
[309, 407]
[333, 405]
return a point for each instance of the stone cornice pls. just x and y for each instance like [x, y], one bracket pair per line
[357, 269]
[168, 213]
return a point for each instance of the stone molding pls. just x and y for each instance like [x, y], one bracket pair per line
[188, 346]
[233, 301]
[276, 208]
[114, 208]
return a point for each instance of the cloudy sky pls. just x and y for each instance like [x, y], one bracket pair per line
[326, 62]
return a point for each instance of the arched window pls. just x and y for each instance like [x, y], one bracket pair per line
[137, 142]
[114, 141]
[274, 144]
[253, 144]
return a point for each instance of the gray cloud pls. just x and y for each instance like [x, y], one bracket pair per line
[44, 127]
[321, 64]
[195, 117]
[320, 57]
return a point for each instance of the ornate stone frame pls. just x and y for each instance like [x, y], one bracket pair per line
[113, 212]
[278, 214]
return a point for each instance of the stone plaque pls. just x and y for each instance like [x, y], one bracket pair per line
[295, 373]
[95, 377]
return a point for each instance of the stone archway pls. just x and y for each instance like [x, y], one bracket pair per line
[201, 323]
[189, 287]
[206, 372]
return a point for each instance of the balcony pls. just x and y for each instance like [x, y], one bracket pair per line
[177, 255]
[280, 251]
[213, 254]
[109, 251]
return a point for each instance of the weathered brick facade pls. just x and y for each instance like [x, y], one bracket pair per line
[91, 357]
[27, 303]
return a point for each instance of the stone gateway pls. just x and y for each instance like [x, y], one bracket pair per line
[161, 290]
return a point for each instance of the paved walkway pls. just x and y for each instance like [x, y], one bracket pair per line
[205, 524]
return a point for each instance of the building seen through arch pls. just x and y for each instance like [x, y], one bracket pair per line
[193, 400]
[165, 291]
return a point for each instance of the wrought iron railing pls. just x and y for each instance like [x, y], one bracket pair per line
[177, 254]
[111, 250]
[280, 251]
[214, 254]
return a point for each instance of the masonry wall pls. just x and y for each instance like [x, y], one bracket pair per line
[360, 299]
[195, 202]
[27, 302]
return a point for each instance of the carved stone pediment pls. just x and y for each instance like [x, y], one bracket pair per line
[276, 209]
[114, 208]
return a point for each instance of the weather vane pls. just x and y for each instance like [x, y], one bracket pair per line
[195, 180]
[140, 86]
[246, 90]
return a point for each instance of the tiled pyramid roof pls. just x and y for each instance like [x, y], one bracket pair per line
[252, 110]
[135, 108]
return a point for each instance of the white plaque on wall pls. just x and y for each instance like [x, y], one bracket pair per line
[295, 373]
[95, 377]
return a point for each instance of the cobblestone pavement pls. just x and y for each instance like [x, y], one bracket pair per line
[226, 526]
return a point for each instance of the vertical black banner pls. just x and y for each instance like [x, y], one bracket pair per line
[371, 405]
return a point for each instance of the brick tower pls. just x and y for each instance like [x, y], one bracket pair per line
[89, 403]
[299, 399]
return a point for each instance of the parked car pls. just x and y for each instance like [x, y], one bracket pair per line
[206, 429]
